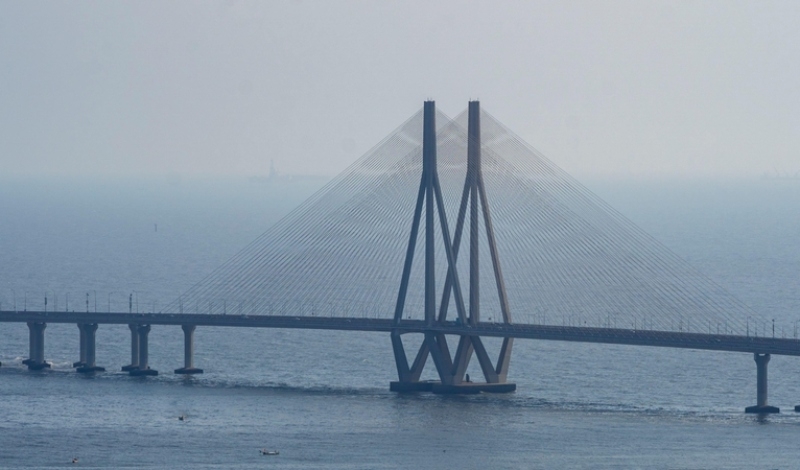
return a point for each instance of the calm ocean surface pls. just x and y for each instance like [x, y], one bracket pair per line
[322, 398]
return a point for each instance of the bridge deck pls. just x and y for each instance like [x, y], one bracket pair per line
[670, 339]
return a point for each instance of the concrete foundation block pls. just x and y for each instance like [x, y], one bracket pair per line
[764, 409]
[470, 388]
[410, 387]
[142, 372]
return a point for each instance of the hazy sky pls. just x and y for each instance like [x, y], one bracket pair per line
[602, 88]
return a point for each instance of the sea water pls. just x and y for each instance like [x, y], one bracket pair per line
[321, 397]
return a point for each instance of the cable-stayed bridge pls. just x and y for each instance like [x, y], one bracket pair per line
[455, 230]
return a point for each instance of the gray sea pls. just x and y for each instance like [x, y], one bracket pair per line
[321, 398]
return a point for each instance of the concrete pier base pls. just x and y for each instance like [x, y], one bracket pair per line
[761, 405]
[464, 388]
[411, 387]
[469, 388]
[134, 349]
[143, 369]
[36, 337]
[188, 352]
[766, 409]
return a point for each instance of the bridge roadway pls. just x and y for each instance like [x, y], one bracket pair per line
[669, 339]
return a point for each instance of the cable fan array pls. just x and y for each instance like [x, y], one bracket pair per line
[568, 258]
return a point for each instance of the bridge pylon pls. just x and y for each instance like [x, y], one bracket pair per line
[451, 369]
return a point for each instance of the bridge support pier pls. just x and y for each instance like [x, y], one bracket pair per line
[88, 349]
[82, 357]
[36, 360]
[134, 349]
[761, 405]
[143, 368]
[188, 352]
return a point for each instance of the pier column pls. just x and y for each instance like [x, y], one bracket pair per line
[36, 359]
[143, 368]
[188, 352]
[761, 405]
[31, 344]
[88, 349]
[82, 359]
[134, 348]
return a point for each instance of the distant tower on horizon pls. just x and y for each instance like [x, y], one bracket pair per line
[272, 172]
